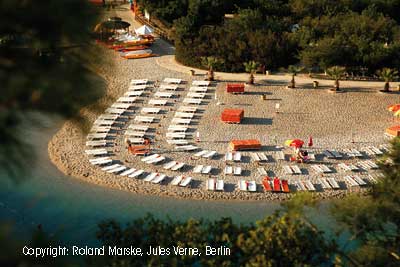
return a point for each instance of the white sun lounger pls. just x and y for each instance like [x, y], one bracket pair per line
[174, 135]
[117, 111]
[324, 184]
[126, 99]
[252, 186]
[100, 129]
[96, 152]
[142, 81]
[198, 89]
[121, 105]
[210, 184]
[336, 154]
[228, 170]
[150, 177]
[137, 87]
[158, 102]
[344, 167]
[163, 95]
[137, 127]
[317, 168]
[108, 117]
[177, 128]
[96, 136]
[178, 166]
[119, 169]
[150, 157]
[127, 172]
[372, 164]
[198, 169]
[201, 153]
[280, 155]
[187, 109]
[159, 178]
[262, 171]
[150, 110]
[172, 80]
[178, 142]
[333, 183]
[135, 140]
[372, 179]
[137, 134]
[102, 122]
[287, 169]
[255, 157]
[192, 101]
[186, 148]
[358, 180]
[237, 156]
[219, 185]
[185, 182]
[350, 181]
[206, 170]
[200, 83]
[242, 185]
[296, 169]
[110, 167]
[177, 180]
[171, 87]
[300, 186]
[237, 171]
[169, 165]
[181, 121]
[100, 161]
[136, 174]
[325, 169]
[155, 160]
[229, 156]
[145, 119]
[376, 150]
[196, 95]
[309, 186]
[262, 156]
[210, 154]
[96, 143]
[184, 115]
[134, 93]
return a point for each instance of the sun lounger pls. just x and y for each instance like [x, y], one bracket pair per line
[262, 171]
[158, 102]
[153, 156]
[186, 148]
[300, 186]
[287, 169]
[156, 160]
[376, 150]
[121, 105]
[178, 166]
[170, 135]
[192, 101]
[110, 167]
[350, 181]
[136, 174]
[237, 170]
[96, 136]
[100, 129]
[252, 186]
[210, 154]
[325, 169]
[172, 80]
[200, 83]
[324, 183]
[137, 87]
[150, 110]
[144, 119]
[198, 89]
[255, 157]
[100, 161]
[102, 122]
[138, 141]
[242, 185]
[296, 169]
[169, 87]
[336, 154]
[328, 154]
[206, 170]
[196, 95]
[96, 152]
[185, 181]
[184, 115]
[358, 180]
[187, 109]
[134, 93]
[135, 134]
[177, 180]
[344, 167]
[116, 170]
[198, 169]
[177, 142]
[117, 111]
[137, 127]
[210, 184]
[201, 153]
[309, 186]
[280, 155]
[229, 156]
[110, 117]
[317, 168]
[262, 157]
[372, 164]
[150, 177]
[163, 95]
[372, 179]
[276, 185]
[237, 156]
[169, 165]
[333, 183]
[181, 121]
[126, 99]
[96, 143]
[127, 172]
[142, 81]
[159, 178]
[266, 182]
[219, 186]
[228, 170]
[177, 128]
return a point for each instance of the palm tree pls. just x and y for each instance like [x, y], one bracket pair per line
[387, 75]
[336, 73]
[210, 63]
[251, 67]
[294, 70]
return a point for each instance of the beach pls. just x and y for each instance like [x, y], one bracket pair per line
[353, 119]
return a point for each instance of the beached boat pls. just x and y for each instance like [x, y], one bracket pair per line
[132, 48]
[138, 54]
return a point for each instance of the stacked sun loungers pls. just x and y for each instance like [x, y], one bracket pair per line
[332, 182]
[214, 185]
[174, 165]
[367, 164]
[291, 169]
[233, 156]
[353, 153]
[324, 184]
[201, 169]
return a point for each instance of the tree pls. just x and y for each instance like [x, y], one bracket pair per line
[388, 75]
[336, 73]
[294, 70]
[211, 63]
[251, 67]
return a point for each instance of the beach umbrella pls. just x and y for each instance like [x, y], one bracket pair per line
[394, 108]
[310, 142]
[294, 142]
[144, 30]
[397, 113]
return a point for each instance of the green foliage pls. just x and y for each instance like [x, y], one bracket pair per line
[336, 72]
[211, 62]
[388, 75]
[251, 66]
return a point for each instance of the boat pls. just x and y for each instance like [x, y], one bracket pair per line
[266, 183]
[277, 185]
[285, 186]
[132, 48]
[138, 54]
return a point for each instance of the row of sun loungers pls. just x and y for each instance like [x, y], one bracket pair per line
[202, 169]
[332, 154]
[174, 165]
[215, 185]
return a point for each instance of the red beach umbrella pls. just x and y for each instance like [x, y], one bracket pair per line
[310, 142]
[297, 143]
[394, 108]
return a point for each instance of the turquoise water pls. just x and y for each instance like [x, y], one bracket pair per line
[70, 208]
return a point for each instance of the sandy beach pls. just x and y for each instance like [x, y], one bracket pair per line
[354, 119]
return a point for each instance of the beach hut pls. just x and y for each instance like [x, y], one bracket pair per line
[250, 144]
[232, 115]
[235, 88]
